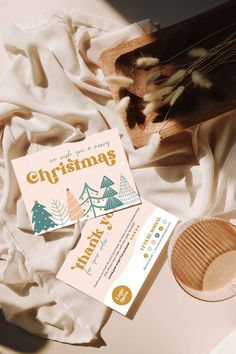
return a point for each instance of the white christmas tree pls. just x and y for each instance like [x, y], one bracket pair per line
[127, 194]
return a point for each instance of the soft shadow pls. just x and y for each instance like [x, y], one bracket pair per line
[17, 339]
[167, 12]
[175, 150]
[21, 341]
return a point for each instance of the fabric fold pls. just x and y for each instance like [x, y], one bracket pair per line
[47, 98]
[54, 92]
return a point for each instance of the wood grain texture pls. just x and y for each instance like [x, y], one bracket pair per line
[199, 106]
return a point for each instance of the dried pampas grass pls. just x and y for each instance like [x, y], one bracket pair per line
[157, 94]
[170, 99]
[161, 92]
[167, 99]
[152, 77]
[123, 104]
[178, 93]
[200, 80]
[153, 145]
[120, 80]
[197, 52]
[175, 78]
[152, 106]
[146, 62]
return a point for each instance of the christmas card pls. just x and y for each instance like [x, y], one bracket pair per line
[75, 181]
[116, 252]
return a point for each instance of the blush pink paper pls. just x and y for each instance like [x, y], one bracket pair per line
[116, 252]
[75, 181]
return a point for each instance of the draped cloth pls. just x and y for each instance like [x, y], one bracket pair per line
[54, 92]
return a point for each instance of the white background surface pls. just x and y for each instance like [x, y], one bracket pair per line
[169, 321]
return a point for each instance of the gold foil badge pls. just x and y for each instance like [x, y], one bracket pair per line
[122, 295]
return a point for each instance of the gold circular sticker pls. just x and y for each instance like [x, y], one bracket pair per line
[122, 295]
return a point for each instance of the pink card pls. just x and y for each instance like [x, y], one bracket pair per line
[116, 252]
[75, 181]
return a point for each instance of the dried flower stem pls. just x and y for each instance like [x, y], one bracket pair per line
[220, 58]
[152, 77]
[219, 47]
[199, 80]
[157, 94]
[206, 61]
[212, 52]
[175, 78]
[165, 121]
[152, 106]
[200, 41]
[178, 93]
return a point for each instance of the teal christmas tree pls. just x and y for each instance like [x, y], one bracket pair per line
[91, 201]
[41, 218]
[126, 193]
[109, 194]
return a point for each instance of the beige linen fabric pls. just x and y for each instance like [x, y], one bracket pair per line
[48, 97]
[55, 92]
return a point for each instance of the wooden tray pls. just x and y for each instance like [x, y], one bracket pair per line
[203, 105]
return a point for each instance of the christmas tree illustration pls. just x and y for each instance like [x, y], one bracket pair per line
[91, 201]
[109, 194]
[75, 210]
[59, 212]
[126, 193]
[41, 218]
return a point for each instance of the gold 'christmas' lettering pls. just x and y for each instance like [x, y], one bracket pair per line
[53, 176]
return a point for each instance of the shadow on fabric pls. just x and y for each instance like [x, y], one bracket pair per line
[17, 339]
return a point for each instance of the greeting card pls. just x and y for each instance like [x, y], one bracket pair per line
[116, 253]
[75, 181]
